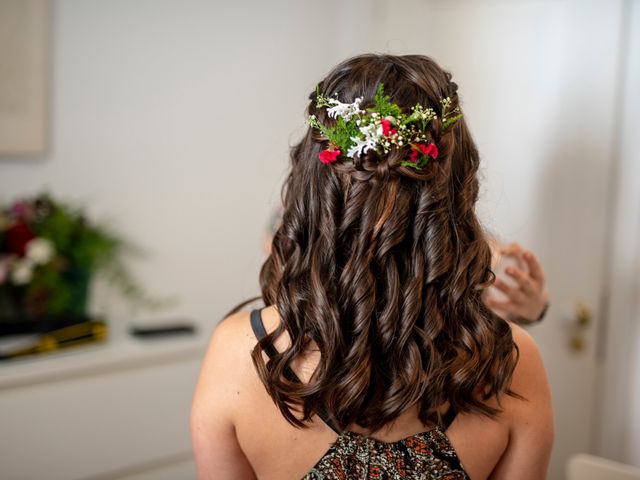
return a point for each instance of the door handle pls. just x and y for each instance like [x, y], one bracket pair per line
[578, 321]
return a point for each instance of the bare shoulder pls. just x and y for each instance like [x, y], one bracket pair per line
[221, 381]
[235, 329]
[529, 377]
[229, 352]
[529, 383]
[227, 362]
[528, 414]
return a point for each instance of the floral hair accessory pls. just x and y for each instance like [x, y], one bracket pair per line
[357, 131]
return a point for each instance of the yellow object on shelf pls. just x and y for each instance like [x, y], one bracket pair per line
[74, 335]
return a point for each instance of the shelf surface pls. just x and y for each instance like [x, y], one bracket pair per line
[112, 355]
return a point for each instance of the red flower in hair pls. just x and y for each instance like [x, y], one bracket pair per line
[386, 128]
[421, 148]
[431, 150]
[329, 155]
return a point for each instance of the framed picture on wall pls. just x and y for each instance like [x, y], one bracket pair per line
[24, 41]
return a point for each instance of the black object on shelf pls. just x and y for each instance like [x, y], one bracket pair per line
[163, 330]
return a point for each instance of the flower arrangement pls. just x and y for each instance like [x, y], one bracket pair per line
[49, 252]
[357, 131]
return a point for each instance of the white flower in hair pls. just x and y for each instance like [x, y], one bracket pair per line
[344, 110]
[362, 146]
[372, 134]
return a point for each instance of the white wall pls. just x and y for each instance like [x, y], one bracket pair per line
[173, 119]
[620, 397]
[630, 153]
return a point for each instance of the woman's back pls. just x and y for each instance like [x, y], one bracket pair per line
[376, 273]
[236, 426]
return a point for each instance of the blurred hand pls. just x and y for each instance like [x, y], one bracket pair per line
[525, 295]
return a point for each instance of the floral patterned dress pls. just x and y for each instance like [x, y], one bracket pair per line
[426, 455]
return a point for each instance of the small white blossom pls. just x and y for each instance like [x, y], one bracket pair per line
[39, 250]
[372, 135]
[362, 146]
[344, 110]
[22, 271]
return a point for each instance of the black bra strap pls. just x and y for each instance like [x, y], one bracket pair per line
[259, 331]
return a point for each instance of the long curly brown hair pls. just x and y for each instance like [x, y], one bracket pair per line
[383, 267]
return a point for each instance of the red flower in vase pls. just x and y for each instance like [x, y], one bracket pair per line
[16, 238]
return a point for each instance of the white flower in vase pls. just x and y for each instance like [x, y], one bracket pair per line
[40, 251]
[22, 271]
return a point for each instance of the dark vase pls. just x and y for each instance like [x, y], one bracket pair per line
[79, 281]
[21, 313]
